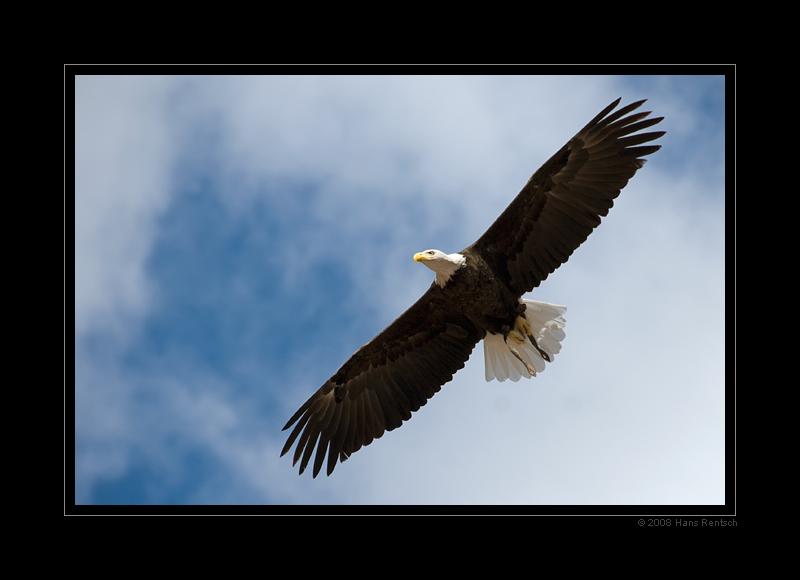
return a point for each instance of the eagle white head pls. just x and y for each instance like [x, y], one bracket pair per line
[443, 264]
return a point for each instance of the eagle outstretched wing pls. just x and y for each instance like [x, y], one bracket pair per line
[563, 201]
[385, 381]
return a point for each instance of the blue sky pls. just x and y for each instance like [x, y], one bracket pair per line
[237, 238]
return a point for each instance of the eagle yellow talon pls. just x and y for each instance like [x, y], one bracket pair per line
[516, 336]
[522, 326]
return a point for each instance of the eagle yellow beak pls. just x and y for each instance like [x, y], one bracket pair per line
[420, 256]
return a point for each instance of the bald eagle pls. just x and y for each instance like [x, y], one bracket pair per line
[477, 295]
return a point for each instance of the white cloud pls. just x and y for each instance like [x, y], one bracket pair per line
[122, 164]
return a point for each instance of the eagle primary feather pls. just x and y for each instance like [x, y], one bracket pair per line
[477, 295]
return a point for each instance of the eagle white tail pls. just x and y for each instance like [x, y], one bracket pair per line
[547, 326]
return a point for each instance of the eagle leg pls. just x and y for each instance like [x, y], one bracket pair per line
[531, 370]
[524, 328]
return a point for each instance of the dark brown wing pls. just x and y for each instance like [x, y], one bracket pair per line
[385, 381]
[562, 202]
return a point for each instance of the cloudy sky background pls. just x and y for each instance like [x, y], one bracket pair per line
[237, 238]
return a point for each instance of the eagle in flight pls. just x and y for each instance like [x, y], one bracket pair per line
[477, 295]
